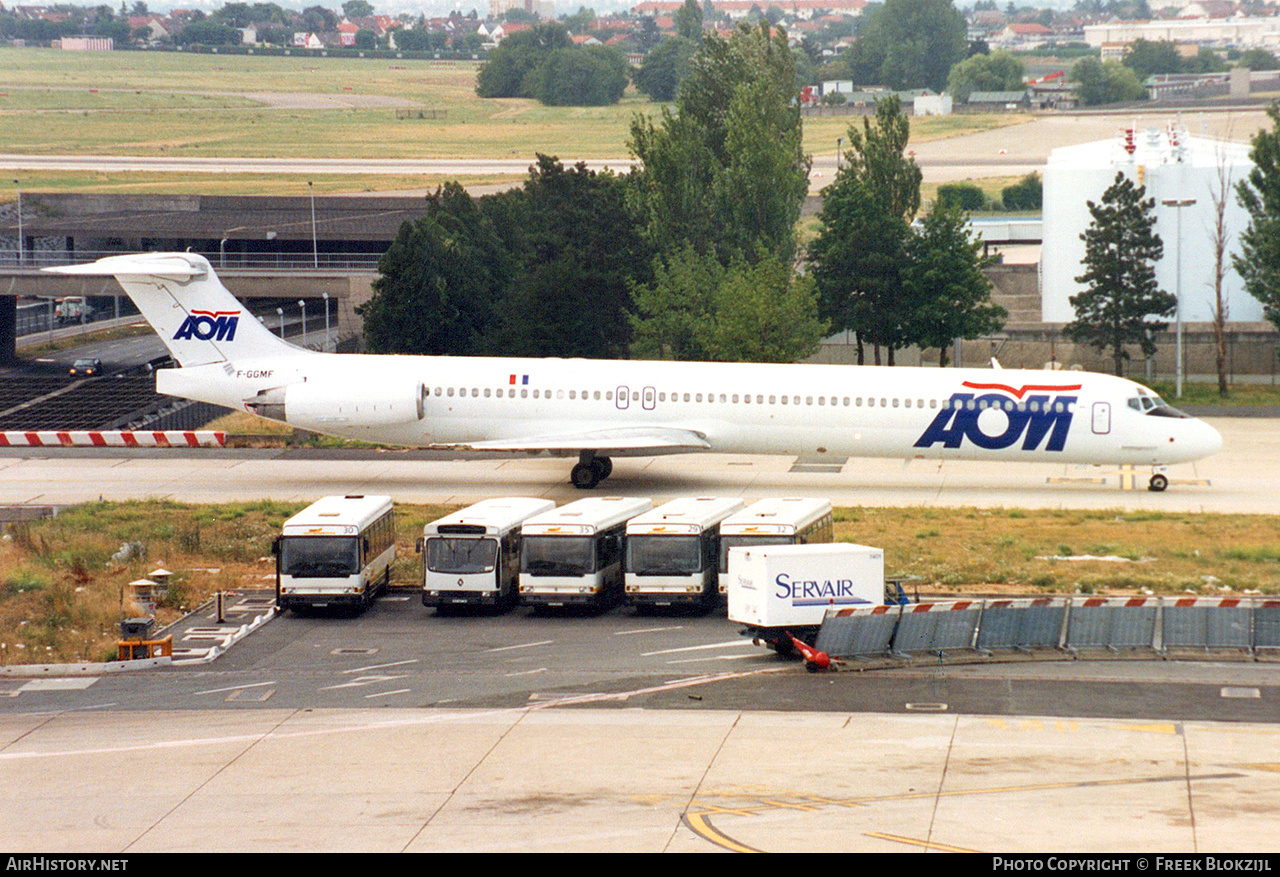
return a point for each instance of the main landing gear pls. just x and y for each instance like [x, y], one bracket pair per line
[590, 471]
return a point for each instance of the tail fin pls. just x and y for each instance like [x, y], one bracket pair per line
[192, 312]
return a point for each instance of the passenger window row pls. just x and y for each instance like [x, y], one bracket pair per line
[705, 398]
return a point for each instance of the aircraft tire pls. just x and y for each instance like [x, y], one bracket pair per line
[603, 467]
[1158, 483]
[584, 476]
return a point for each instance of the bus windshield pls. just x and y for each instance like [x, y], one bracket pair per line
[664, 555]
[319, 556]
[461, 555]
[727, 542]
[558, 555]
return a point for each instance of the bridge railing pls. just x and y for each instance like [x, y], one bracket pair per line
[41, 258]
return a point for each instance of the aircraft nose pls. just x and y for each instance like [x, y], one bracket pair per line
[1207, 440]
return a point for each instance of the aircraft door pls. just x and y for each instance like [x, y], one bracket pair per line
[622, 397]
[1101, 418]
[648, 398]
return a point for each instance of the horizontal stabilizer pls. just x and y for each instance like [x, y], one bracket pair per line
[175, 266]
[621, 442]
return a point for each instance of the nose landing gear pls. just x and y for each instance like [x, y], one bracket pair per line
[1159, 481]
[590, 471]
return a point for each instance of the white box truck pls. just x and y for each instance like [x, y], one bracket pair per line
[781, 590]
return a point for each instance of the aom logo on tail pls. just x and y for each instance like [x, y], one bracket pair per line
[1027, 417]
[209, 326]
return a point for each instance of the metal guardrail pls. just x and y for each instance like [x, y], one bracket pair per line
[1075, 626]
[292, 261]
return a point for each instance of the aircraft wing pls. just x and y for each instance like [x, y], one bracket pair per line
[631, 441]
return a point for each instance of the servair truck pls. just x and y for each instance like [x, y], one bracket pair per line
[779, 591]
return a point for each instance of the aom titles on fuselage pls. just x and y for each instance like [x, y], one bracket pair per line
[597, 410]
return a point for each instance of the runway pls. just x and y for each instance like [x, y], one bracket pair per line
[1242, 478]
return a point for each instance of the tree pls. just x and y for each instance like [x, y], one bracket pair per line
[1220, 239]
[661, 71]
[208, 33]
[1121, 247]
[514, 69]
[726, 171]
[1105, 82]
[357, 9]
[942, 280]
[998, 71]
[1258, 262]
[440, 281]
[543, 63]
[698, 309]
[1259, 59]
[542, 270]
[1149, 58]
[912, 43]
[582, 76]
[864, 223]
[689, 21]
[580, 253]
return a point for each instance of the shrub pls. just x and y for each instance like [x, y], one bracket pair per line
[1026, 194]
[965, 196]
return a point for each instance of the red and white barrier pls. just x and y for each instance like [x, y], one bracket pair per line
[96, 438]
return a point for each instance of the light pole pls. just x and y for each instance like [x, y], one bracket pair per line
[839, 152]
[326, 320]
[302, 303]
[20, 245]
[1178, 204]
[315, 251]
[280, 315]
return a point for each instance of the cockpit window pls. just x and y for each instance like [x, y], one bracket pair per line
[1154, 406]
[1163, 410]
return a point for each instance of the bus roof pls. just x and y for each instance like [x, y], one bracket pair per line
[687, 515]
[495, 516]
[585, 517]
[337, 514]
[776, 515]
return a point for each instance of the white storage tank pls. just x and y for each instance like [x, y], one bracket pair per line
[1172, 166]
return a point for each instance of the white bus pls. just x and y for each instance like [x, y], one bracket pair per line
[673, 552]
[573, 555]
[787, 521]
[337, 551]
[472, 557]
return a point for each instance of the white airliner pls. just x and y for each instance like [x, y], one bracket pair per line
[597, 410]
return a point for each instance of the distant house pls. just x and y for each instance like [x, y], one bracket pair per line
[347, 34]
[1023, 33]
[736, 9]
[152, 23]
[303, 40]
